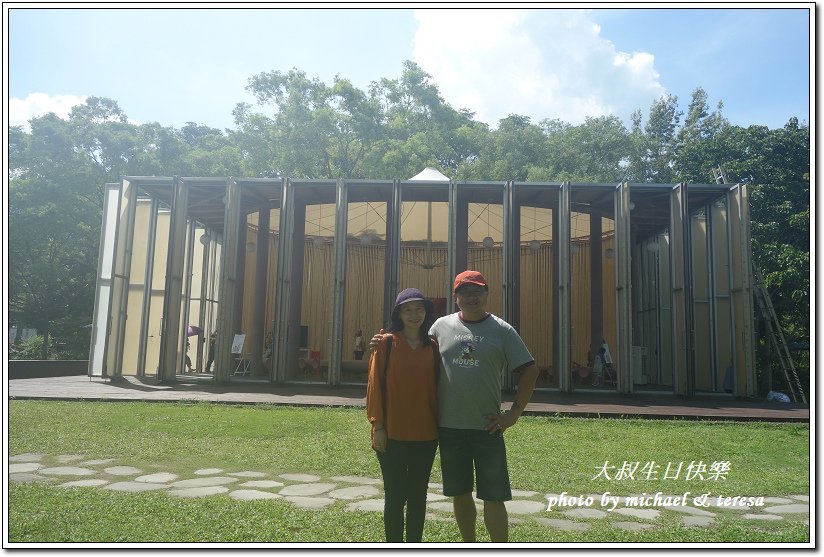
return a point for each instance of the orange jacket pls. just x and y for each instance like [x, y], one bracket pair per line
[411, 390]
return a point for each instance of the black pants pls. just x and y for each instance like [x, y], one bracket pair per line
[406, 466]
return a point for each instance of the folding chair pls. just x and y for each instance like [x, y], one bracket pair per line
[242, 363]
[610, 375]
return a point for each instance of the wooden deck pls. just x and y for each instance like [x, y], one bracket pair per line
[249, 391]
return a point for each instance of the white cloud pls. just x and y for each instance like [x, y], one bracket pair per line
[38, 104]
[548, 63]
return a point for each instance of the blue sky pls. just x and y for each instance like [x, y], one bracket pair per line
[180, 65]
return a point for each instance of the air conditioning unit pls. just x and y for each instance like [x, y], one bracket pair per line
[640, 360]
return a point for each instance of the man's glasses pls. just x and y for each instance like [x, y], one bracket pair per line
[471, 292]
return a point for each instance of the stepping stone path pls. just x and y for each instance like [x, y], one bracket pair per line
[364, 494]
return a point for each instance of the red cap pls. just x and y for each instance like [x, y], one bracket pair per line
[469, 277]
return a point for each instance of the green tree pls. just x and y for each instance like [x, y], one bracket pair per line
[699, 148]
[658, 148]
[57, 175]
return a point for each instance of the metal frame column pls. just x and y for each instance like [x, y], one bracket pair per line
[101, 321]
[452, 248]
[187, 285]
[741, 290]
[678, 280]
[228, 283]
[623, 287]
[393, 259]
[147, 289]
[563, 311]
[338, 282]
[173, 286]
[120, 277]
[284, 285]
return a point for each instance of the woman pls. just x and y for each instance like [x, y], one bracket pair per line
[359, 345]
[401, 404]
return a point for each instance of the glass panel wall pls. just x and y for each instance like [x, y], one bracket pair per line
[535, 284]
[703, 360]
[365, 277]
[485, 251]
[424, 239]
[593, 280]
[720, 254]
[316, 306]
[137, 279]
[665, 355]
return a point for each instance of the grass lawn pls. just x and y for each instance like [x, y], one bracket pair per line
[546, 455]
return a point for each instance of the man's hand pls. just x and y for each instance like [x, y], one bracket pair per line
[500, 422]
[376, 340]
[379, 440]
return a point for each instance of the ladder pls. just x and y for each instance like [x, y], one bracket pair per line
[764, 303]
[765, 306]
[720, 176]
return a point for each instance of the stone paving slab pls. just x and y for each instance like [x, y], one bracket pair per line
[193, 492]
[695, 521]
[649, 514]
[67, 471]
[24, 467]
[67, 458]
[357, 492]
[371, 505]
[208, 471]
[27, 477]
[784, 509]
[84, 483]
[524, 507]
[300, 477]
[357, 480]
[585, 513]
[204, 482]
[262, 484]
[310, 502]
[253, 495]
[123, 471]
[305, 490]
[26, 457]
[135, 486]
[692, 510]
[97, 462]
[248, 474]
[159, 477]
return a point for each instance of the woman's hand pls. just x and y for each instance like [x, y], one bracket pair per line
[376, 340]
[379, 440]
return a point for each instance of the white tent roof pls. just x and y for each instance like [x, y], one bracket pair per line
[429, 175]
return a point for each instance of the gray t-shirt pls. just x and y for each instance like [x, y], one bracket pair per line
[475, 355]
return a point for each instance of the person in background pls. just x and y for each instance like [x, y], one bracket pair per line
[607, 357]
[189, 368]
[598, 368]
[401, 405]
[212, 339]
[359, 345]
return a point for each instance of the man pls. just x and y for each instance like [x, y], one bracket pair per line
[477, 348]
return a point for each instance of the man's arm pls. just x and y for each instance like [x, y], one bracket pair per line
[526, 385]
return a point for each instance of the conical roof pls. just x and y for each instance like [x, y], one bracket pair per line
[429, 175]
